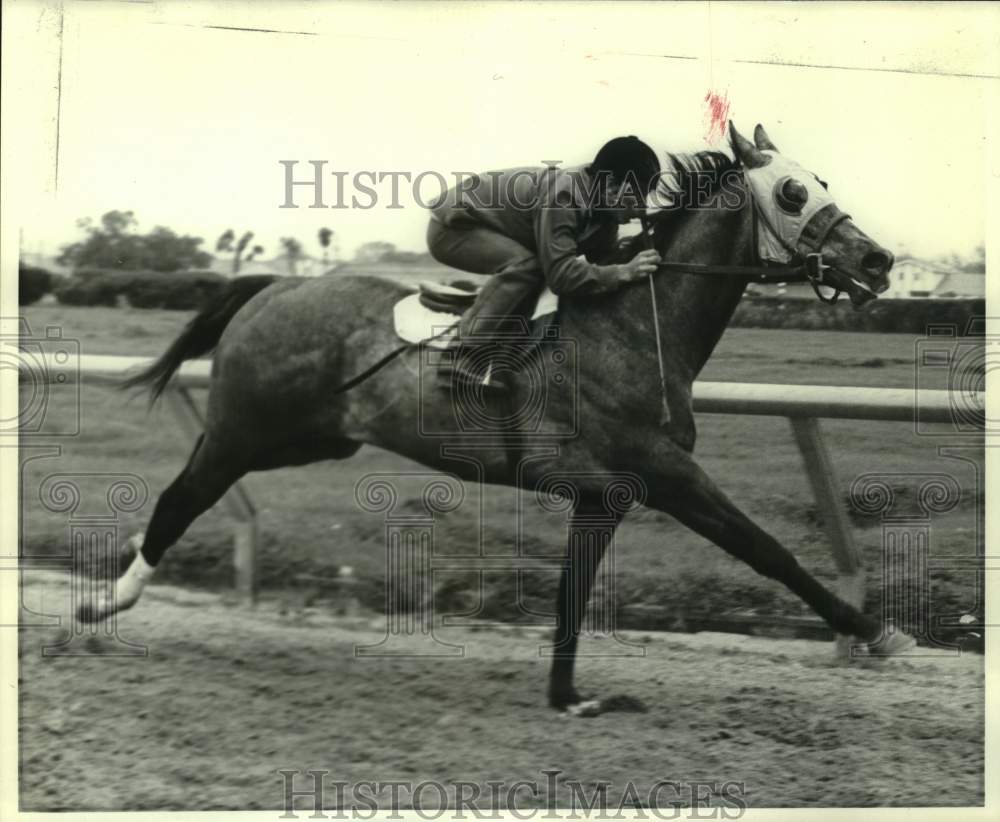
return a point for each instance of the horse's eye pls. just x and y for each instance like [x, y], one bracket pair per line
[791, 195]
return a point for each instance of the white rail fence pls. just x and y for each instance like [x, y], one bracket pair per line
[802, 405]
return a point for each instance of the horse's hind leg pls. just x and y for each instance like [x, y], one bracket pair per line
[210, 471]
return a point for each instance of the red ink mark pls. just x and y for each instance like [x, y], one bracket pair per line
[716, 115]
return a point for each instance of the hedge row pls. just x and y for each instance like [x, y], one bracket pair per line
[33, 283]
[187, 290]
[886, 316]
[179, 290]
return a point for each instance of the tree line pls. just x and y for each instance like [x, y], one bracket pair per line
[114, 243]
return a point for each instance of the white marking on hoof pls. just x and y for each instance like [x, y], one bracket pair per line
[591, 707]
[126, 593]
[98, 610]
[894, 644]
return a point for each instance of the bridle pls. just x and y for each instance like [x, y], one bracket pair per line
[801, 268]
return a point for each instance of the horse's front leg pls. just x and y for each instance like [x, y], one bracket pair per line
[678, 486]
[590, 529]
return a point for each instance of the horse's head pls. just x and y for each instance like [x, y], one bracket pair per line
[798, 217]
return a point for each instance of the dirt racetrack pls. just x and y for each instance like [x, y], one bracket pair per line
[227, 697]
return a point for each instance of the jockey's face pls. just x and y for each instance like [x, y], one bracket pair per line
[623, 202]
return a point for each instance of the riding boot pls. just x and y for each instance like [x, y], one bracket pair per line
[497, 320]
[465, 365]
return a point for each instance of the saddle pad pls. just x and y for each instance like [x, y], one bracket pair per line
[414, 322]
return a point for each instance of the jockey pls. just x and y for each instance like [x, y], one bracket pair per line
[529, 227]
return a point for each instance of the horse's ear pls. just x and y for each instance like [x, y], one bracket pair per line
[746, 151]
[762, 140]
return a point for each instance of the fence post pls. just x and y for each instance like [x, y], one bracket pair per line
[822, 478]
[236, 500]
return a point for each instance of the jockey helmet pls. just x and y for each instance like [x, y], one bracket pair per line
[628, 158]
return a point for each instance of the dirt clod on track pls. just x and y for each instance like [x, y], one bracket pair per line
[227, 697]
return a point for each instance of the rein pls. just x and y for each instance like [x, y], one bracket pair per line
[808, 268]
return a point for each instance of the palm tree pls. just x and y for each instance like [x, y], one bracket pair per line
[325, 236]
[225, 241]
[225, 244]
[293, 252]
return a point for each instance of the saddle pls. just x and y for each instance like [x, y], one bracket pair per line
[430, 315]
[454, 298]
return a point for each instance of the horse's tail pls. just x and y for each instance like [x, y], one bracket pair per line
[202, 334]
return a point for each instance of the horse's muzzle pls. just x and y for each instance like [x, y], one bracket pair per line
[876, 265]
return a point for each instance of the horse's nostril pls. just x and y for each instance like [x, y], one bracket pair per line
[877, 261]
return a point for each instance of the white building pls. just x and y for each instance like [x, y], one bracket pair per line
[911, 277]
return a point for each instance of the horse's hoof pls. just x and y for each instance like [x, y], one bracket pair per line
[563, 700]
[130, 550]
[99, 610]
[621, 703]
[894, 644]
[91, 612]
[590, 707]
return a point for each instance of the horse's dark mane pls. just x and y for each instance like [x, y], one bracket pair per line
[687, 172]
[689, 163]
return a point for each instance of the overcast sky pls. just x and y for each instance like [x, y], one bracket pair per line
[185, 124]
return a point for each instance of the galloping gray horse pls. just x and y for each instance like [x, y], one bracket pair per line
[293, 382]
